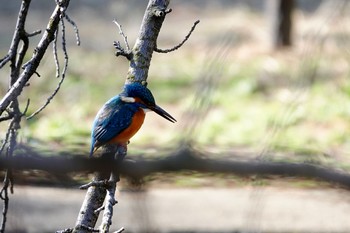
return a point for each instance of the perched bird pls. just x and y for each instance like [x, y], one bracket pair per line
[122, 116]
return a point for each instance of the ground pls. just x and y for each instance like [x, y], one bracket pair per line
[241, 209]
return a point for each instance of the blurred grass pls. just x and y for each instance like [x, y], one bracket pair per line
[293, 101]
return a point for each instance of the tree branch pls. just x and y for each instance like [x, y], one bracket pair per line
[4, 60]
[120, 50]
[110, 202]
[75, 27]
[65, 67]
[186, 159]
[140, 58]
[95, 195]
[13, 107]
[146, 41]
[156, 49]
[31, 66]
[18, 34]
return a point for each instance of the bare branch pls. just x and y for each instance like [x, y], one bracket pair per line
[68, 230]
[11, 139]
[63, 75]
[6, 118]
[4, 60]
[75, 27]
[37, 32]
[120, 230]
[86, 228]
[97, 183]
[55, 56]
[26, 108]
[34, 62]
[156, 49]
[21, 54]
[4, 196]
[95, 195]
[98, 210]
[110, 202]
[7, 136]
[18, 34]
[122, 34]
[120, 50]
[146, 41]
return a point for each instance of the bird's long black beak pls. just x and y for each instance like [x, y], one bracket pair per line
[163, 113]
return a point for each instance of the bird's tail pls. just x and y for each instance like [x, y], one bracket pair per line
[93, 148]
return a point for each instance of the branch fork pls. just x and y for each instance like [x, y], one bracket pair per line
[120, 50]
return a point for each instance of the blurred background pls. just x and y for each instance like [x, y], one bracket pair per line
[234, 87]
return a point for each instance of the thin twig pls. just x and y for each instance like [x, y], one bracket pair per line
[110, 197]
[90, 229]
[96, 183]
[120, 50]
[55, 56]
[75, 27]
[63, 74]
[122, 34]
[68, 230]
[98, 210]
[156, 49]
[4, 60]
[120, 230]
[6, 118]
[7, 136]
[21, 53]
[4, 196]
[36, 32]
[26, 108]
[108, 210]
[11, 139]
[16, 89]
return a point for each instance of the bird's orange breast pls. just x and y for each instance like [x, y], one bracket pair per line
[127, 133]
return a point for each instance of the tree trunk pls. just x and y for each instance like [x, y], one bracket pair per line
[280, 19]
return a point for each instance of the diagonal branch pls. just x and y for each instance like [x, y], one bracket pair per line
[179, 45]
[63, 75]
[4, 60]
[31, 66]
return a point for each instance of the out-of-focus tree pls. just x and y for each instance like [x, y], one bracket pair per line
[280, 17]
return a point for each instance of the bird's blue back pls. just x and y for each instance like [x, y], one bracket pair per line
[116, 115]
[112, 119]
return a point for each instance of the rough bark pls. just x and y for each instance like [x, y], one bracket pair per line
[146, 41]
[140, 60]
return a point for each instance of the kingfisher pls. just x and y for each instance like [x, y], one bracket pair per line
[122, 116]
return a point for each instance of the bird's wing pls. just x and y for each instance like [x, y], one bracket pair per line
[111, 120]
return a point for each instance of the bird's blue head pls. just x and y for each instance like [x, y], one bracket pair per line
[137, 93]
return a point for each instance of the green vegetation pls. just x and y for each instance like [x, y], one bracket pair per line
[293, 101]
